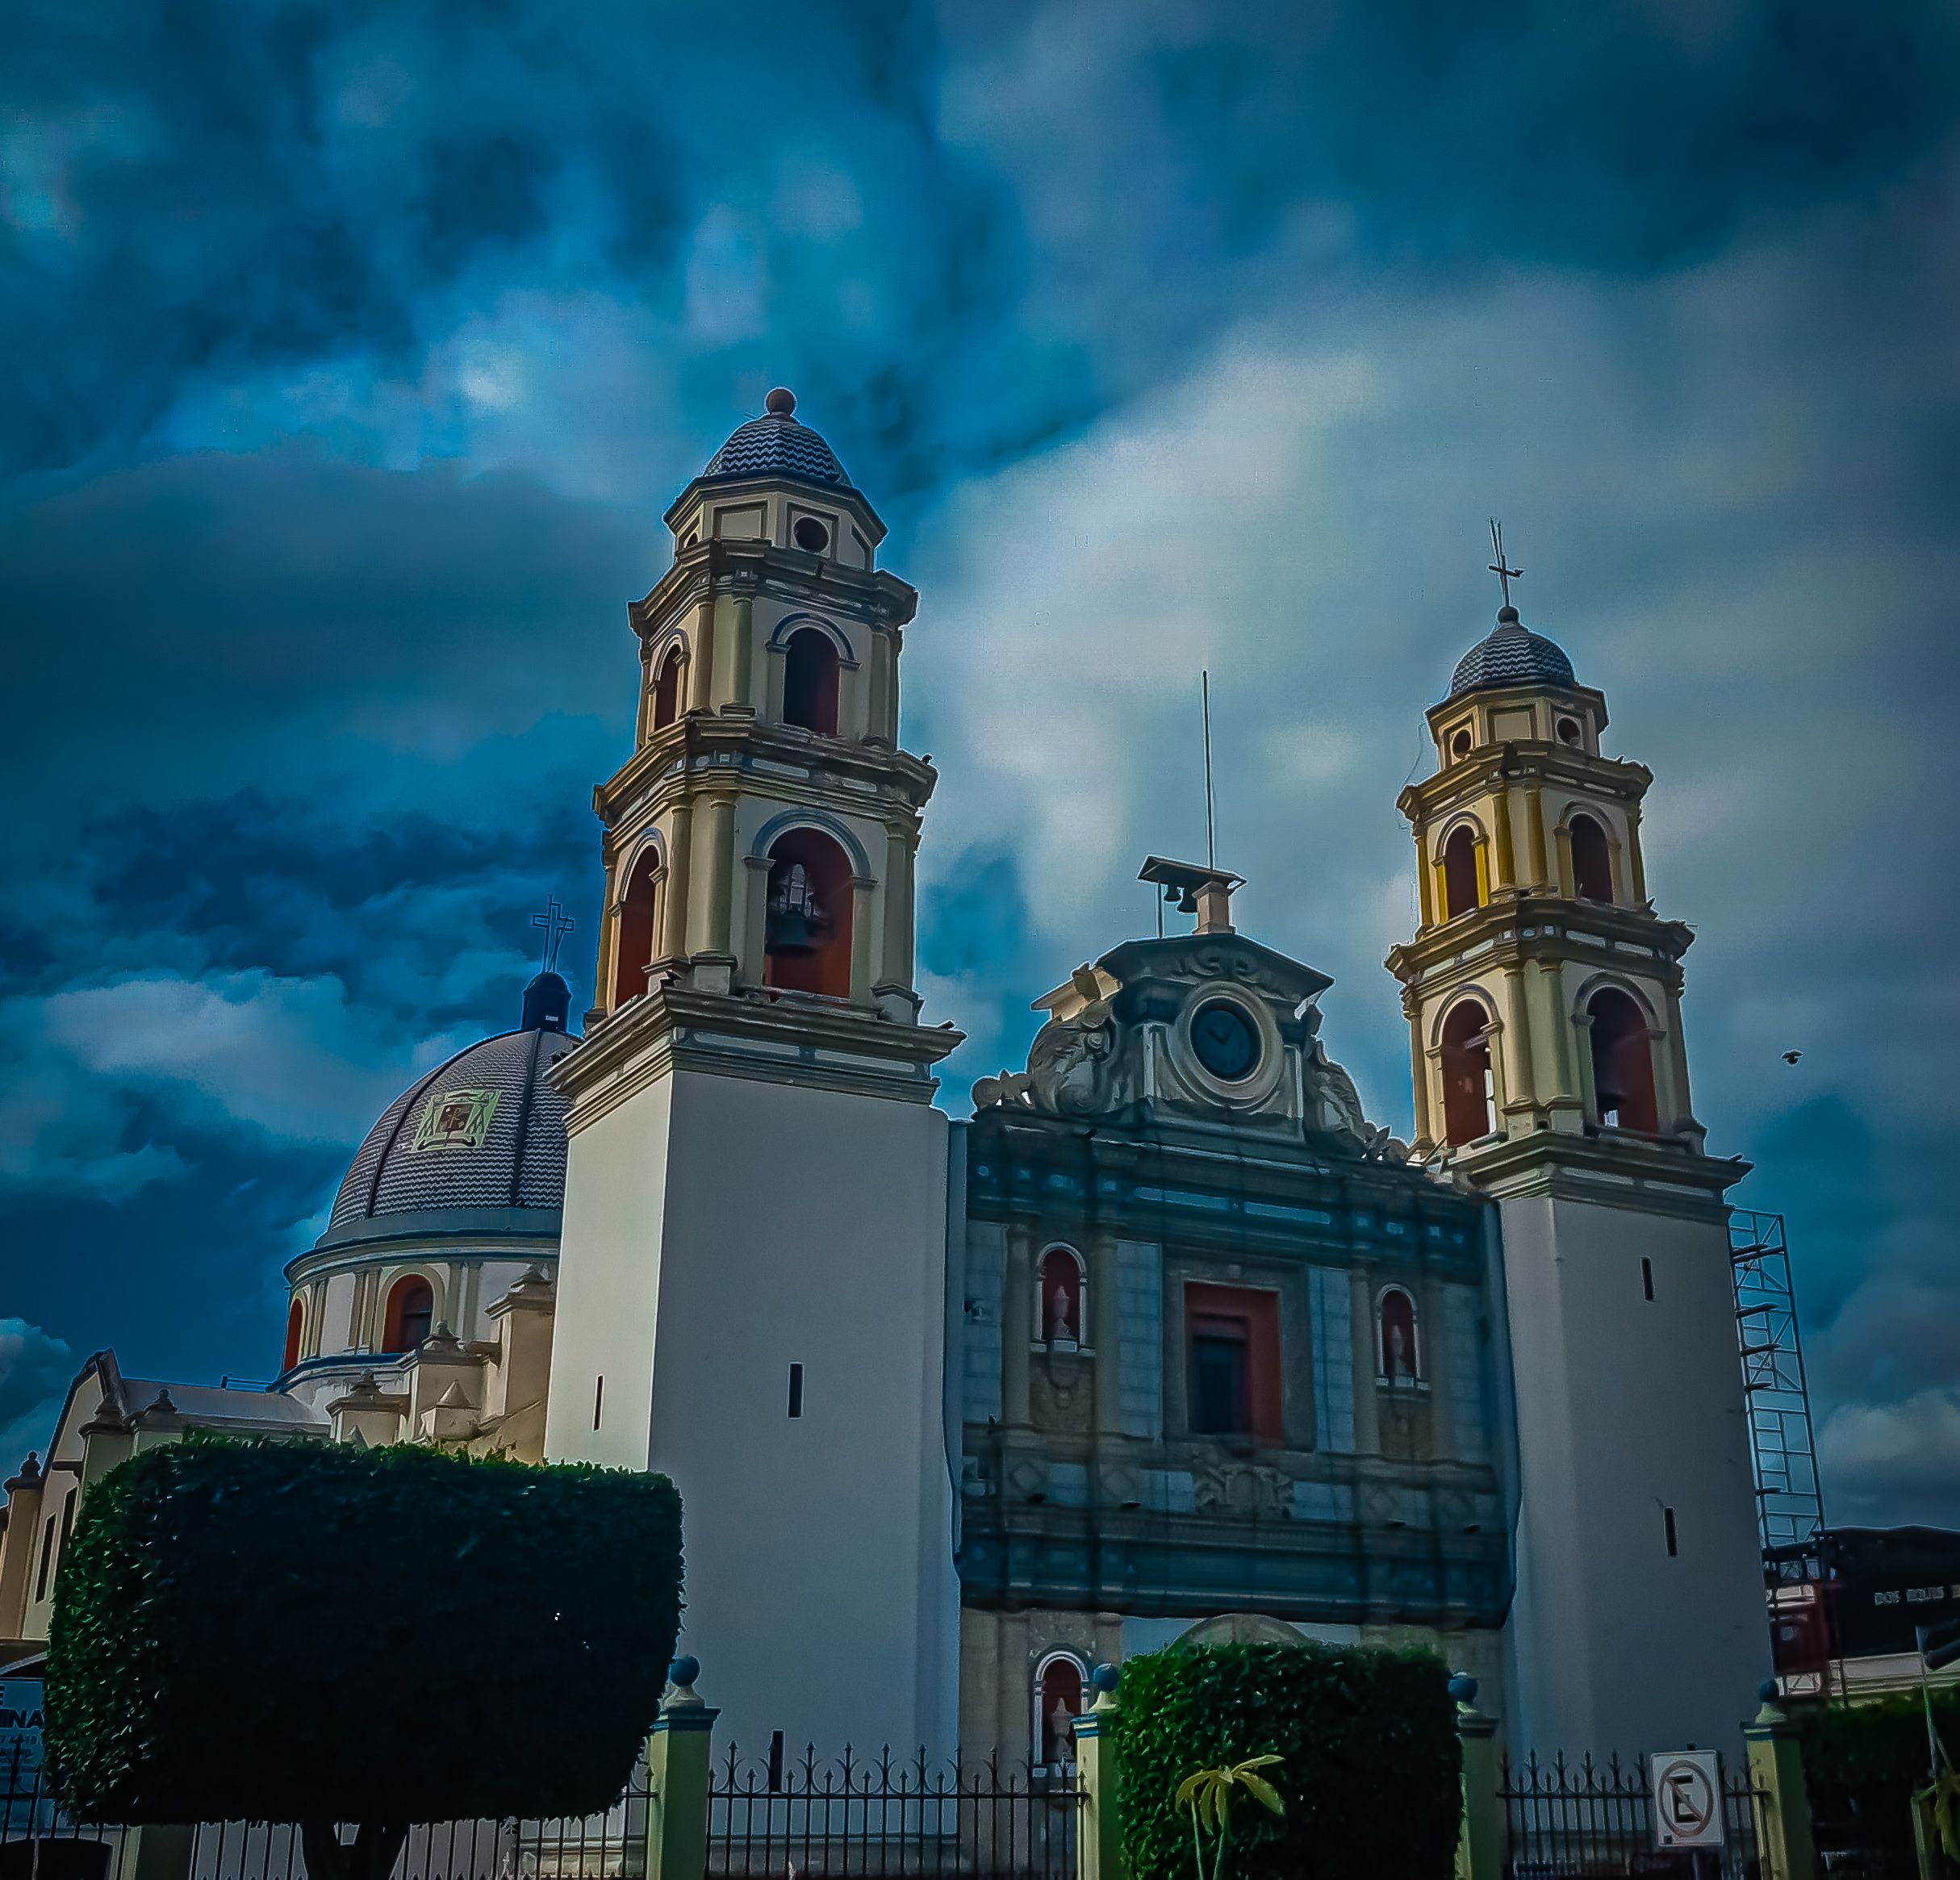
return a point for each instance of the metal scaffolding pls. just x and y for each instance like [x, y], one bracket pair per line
[1789, 1501]
[1789, 1496]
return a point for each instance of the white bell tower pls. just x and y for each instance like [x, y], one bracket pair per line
[1544, 998]
[751, 1285]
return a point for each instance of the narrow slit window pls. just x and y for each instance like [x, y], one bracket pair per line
[40, 1585]
[1673, 1548]
[1647, 1276]
[599, 1397]
[795, 1390]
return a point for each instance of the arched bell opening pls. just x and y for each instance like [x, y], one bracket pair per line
[638, 924]
[1592, 860]
[666, 689]
[1622, 1063]
[1466, 1073]
[809, 681]
[1460, 894]
[806, 944]
[410, 1314]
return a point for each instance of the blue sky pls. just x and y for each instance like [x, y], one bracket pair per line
[353, 352]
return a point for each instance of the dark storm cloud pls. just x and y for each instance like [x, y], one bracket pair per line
[222, 187]
[250, 882]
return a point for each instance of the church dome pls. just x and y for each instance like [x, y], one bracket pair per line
[776, 445]
[1510, 654]
[481, 1135]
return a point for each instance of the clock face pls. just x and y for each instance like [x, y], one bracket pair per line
[1223, 1038]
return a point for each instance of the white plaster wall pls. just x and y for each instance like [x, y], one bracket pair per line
[1625, 1407]
[609, 1254]
[336, 1319]
[791, 1225]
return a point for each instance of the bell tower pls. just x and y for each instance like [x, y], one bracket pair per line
[1542, 993]
[752, 1275]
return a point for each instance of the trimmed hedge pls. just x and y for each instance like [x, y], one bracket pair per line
[1862, 1762]
[291, 1631]
[1372, 1775]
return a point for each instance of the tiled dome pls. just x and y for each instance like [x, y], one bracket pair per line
[486, 1130]
[1510, 654]
[776, 445]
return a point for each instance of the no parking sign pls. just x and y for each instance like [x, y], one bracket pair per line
[1687, 1799]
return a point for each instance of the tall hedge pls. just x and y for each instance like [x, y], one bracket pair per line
[1863, 1761]
[1371, 1772]
[299, 1632]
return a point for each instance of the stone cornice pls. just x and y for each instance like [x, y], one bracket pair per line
[759, 567]
[726, 749]
[783, 1039]
[1609, 1167]
[843, 495]
[1522, 761]
[1511, 928]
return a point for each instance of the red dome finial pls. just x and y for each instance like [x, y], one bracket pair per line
[780, 402]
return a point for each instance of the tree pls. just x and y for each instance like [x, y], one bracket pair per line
[293, 1632]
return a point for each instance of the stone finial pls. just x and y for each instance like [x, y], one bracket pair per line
[781, 402]
[1464, 1688]
[1772, 1712]
[30, 1476]
[680, 1692]
[1104, 1681]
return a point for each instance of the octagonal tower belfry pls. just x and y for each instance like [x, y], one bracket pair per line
[1542, 993]
[752, 1275]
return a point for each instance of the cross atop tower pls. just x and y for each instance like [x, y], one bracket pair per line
[556, 924]
[1505, 575]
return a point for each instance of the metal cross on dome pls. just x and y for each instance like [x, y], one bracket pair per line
[1505, 575]
[556, 924]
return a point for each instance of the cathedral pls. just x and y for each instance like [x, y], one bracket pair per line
[1167, 1341]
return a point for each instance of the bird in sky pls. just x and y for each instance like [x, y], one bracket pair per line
[1792, 1057]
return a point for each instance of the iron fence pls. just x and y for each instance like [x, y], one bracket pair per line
[40, 1840]
[812, 1819]
[816, 1819]
[1594, 1821]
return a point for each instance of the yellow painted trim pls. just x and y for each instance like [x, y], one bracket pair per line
[703, 660]
[1507, 860]
[1483, 872]
[1535, 809]
[1425, 884]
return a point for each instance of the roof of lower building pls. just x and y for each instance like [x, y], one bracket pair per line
[1510, 654]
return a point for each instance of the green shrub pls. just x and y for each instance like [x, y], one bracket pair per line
[1863, 1761]
[296, 1632]
[1371, 1772]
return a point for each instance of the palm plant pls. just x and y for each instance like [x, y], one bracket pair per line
[1210, 1794]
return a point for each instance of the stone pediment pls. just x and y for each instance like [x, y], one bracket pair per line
[1201, 1028]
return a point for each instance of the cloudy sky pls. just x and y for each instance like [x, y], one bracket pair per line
[352, 351]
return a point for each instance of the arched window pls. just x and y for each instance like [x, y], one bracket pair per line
[412, 1310]
[666, 689]
[1466, 1075]
[809, 681]
[1397, 1357]
[1061, 1300]
[1058, 1702]
[1622, 1063]
[807, 917]
[1592, 861]
[1459, 892]
[296, 1326]
[638, 911]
